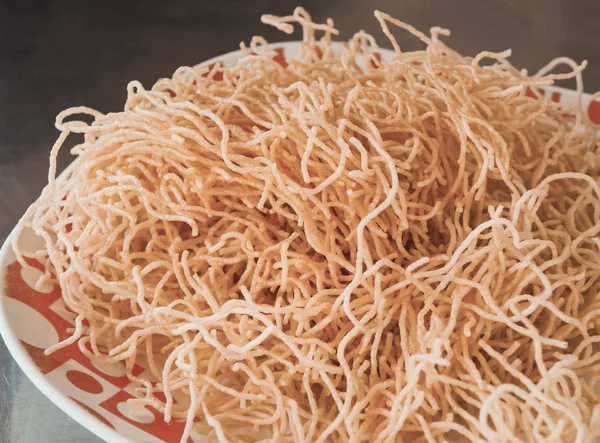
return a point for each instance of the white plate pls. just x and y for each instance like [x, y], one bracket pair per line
[32, 320]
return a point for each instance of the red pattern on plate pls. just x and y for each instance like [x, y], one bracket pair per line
[280, 57]
[218, 76]
[540, 92]
[594, 111]
[84, 381]
[94, 413]
[319, 52]
[18, 289]
[169, 432]
[377, 56]
[593, 108]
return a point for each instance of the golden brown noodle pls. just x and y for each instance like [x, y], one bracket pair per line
[403, 251]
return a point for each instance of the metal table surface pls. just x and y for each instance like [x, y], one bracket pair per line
[59, 54]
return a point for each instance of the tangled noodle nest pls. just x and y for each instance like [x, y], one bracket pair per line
[341, 249]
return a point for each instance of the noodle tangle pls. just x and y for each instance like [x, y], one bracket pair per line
[338, 247]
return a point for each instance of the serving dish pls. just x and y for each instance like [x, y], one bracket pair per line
[96, 396]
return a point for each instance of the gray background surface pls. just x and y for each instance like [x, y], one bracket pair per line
[56, 54]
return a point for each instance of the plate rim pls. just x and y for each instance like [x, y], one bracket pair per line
[19, 353]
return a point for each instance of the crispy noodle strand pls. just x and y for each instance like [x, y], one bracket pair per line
[340, 249]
